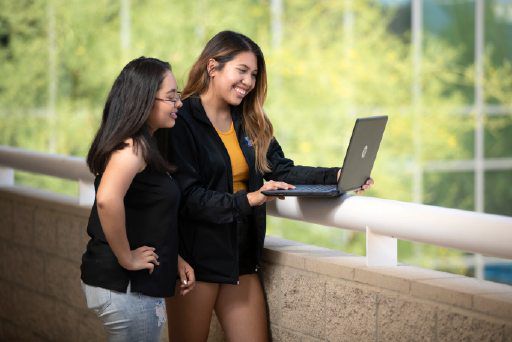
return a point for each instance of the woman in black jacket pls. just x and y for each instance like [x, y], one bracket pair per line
[223, 146]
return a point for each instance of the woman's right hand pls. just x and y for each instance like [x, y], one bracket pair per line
[187, 276]
[141, 258]
[256, 198]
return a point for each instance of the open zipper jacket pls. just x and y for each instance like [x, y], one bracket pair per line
[210, 213]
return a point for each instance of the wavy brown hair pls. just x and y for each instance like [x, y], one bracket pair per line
[223, 47]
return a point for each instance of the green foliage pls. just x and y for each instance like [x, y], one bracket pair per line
[460, 194]
[57, 185]
[496, 128]
[498, 81]
[439, 258]
[23, 54]
[322, 76]
[498, 188]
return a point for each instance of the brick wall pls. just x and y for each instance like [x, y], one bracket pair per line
[314, 294]
[42, 239]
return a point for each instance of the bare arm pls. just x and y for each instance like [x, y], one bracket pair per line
[119, 173]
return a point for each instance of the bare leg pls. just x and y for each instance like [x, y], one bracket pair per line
[241, 310]
[189, 316]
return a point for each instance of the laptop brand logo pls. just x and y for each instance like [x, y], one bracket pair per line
[364, 151]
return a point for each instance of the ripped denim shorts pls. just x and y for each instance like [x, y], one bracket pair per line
[129, 316]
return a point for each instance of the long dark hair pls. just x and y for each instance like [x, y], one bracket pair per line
[223, 47]
[126, 112]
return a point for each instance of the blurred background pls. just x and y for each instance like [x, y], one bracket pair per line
[440, 69]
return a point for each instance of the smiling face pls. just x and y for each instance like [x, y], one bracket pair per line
[235, 79]
[166, 105]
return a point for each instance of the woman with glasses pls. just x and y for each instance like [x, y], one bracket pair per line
[224, 147]
[131, 261]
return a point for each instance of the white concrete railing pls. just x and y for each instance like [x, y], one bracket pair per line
[383, 220]
[73, 168]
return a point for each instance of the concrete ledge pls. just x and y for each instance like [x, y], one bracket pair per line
[50, 200]
[484, 296]
[314, 294]
[377, 303]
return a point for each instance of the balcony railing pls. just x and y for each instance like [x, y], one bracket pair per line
[66, 167]
[384, 221]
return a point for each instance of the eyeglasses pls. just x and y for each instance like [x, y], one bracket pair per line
[173, 100]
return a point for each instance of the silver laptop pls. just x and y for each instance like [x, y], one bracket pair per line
[357, 165]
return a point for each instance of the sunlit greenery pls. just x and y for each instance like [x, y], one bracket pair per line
[322, 75]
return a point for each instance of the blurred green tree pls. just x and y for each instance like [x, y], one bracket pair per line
[336, 60]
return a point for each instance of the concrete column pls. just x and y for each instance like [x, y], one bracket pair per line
[86, 193]
[6, 176]
[416, 90]
[479, 121]
[381, 250]
[52, 78]
[125, 29]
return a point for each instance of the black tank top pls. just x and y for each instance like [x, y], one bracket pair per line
[151, 210]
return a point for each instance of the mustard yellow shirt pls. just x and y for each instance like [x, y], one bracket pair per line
[239, 165]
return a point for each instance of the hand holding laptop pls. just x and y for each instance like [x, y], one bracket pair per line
[369, 182]
[357, 165]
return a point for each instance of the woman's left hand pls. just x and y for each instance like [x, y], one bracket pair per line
[369, 182]
[365, 186]
[187, 276]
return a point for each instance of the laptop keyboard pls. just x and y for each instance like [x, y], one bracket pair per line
[315, 188]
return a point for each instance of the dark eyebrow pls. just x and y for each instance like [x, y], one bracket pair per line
[172, 91]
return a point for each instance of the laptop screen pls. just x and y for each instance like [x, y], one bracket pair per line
[361, 152]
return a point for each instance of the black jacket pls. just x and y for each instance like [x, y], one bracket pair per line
[210, 213]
